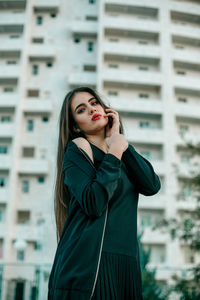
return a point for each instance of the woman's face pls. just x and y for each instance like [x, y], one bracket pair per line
[83, 107]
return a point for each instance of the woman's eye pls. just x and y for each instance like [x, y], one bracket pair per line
[80, 110]
[95, 102]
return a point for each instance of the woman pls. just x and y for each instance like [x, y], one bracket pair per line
[99, 178]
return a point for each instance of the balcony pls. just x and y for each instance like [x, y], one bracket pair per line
[153, 237]
[3, 230]
[149, 106]
[7, 130]
[124, 23]
[8, 101]
[12, 18]
[82, 78]
[85, 29]
[13, 46]
[135, 77]
[46, 6]
[9, 72]
[4, 192]
[38, 106]
[185, 30]
[185, 81]
[189, 7]
[187, 137]
[5, 162]
[41, 53]
[187, 111]
[190, 55]
[33, 166]
[157, 201]
[154, 136]
[26, 231]
[122, 48]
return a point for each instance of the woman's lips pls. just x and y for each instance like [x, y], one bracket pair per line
[96, 118]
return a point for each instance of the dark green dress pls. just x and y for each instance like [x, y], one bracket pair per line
[119, 274]
[97, 254]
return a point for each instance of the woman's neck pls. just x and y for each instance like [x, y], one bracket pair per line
[99, 142]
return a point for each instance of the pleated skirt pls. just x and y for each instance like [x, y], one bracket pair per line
[119, 278]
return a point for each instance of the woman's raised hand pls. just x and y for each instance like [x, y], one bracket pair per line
[116, 142]
[115, 124]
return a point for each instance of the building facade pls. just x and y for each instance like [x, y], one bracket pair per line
[143, 57]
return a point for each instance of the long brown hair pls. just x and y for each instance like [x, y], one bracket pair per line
[66, 133]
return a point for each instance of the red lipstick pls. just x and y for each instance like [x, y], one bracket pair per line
[96, 117]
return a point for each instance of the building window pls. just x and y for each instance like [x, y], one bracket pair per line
[37, 245]
[143, 68]
[33, 93]
[23, 217]
[146, 154]
[39, 20]
[11, 62]
[183, 128]
[90, 46]
[185, 158]
[3, 149]
[89, 68]
[179, 47]
[30, 125]
[20, 255]
[143, 42]
[113, 66]
[181, 72]
[186, 190]
[142, 95]
[1, 215]
[76, 40]
[37, 40]
[144, 124]
[112, 93]
[35, 69]
[182, 99]
[91, 18]
[188, 255]
[8, 89]
[53, 15]
[145, 221]
[49, 64]
[41, 179]
[113, 40]
[45, 119]
[25, 186]
[14, 36]
[2, 181]
[5, 119]
[28, 152]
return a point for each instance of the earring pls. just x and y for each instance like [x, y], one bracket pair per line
[76, 129]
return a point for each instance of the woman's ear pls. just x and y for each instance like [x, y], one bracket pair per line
[76, 129]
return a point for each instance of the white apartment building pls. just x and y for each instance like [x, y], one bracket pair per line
[143, 57]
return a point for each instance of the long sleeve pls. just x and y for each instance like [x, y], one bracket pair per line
[141, 172]
[93, 191]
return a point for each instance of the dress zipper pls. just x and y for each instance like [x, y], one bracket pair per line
[103, 231]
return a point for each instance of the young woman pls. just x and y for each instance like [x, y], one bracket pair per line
[99, 178]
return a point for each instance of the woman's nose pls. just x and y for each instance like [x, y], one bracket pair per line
[92, 109]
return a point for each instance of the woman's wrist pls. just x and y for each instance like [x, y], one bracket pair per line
[116, 152]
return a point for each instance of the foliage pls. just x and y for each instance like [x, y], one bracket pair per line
[151, 289]
[187, 231]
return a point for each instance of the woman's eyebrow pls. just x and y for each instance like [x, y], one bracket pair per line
[84, 103]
